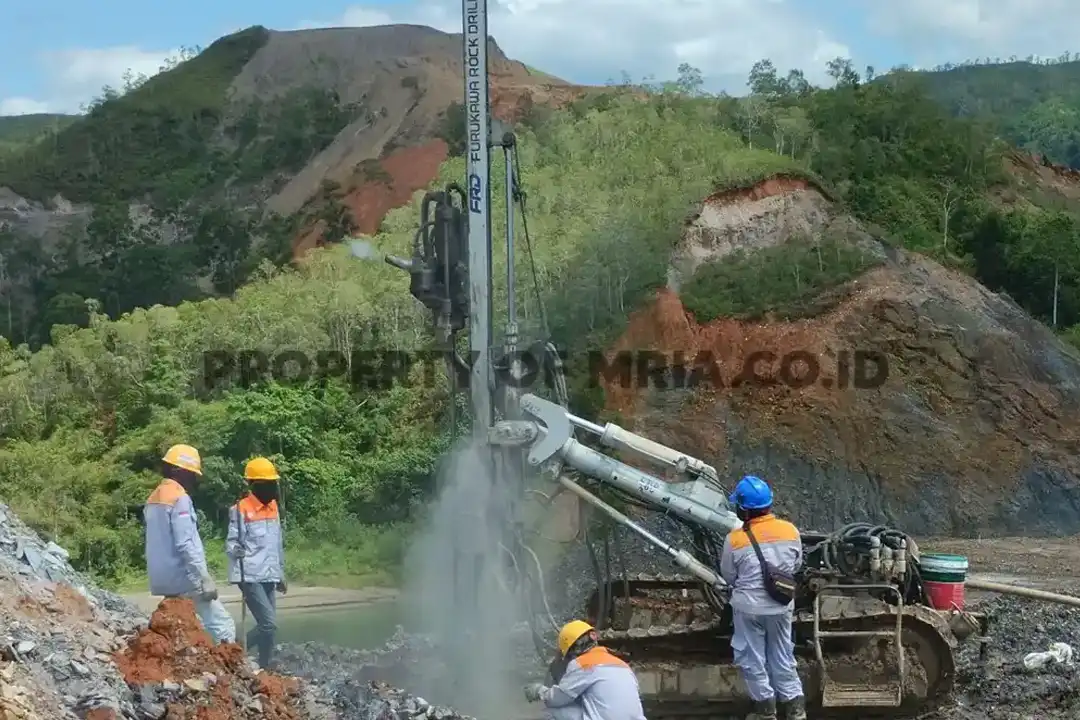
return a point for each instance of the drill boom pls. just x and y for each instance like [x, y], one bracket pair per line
[700, 501]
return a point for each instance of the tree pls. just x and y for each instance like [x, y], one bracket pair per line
[948, 199]
[763, 80]
[752, 113]
[791, 130]
[796, 84]
[689, 81]
[843, 72]
[1052, 240]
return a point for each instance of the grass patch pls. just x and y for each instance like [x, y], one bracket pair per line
[784, 280]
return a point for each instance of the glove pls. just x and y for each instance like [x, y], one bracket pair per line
[557, 668]
[533, 690]
[209, 589]
[282, 587]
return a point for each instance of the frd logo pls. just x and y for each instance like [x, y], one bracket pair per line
[475, 192]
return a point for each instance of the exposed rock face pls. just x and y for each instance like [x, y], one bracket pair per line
[407, 76]
[748, 219]
[975, 430]
[45, 224]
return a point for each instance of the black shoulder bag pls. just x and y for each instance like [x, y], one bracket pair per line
[780, 586]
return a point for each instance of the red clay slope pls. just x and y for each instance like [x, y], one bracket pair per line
[976, 429]
[406, 77]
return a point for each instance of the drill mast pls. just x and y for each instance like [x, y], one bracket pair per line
[478, 178]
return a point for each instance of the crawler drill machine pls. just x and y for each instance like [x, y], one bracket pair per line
[872, 645]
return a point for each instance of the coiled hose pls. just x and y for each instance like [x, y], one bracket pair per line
[835, 552]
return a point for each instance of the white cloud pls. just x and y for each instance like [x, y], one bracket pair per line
[942, 30]
[596, 40]
[354, 16]
[76, 76]
[22, 106]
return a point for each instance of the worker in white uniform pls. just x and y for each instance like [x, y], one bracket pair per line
[255, 547]
[595, 685]
[762, 641]
[175, 559]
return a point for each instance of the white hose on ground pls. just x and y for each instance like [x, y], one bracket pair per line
[1032, 593]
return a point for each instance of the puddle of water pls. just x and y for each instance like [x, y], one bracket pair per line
[365, 626]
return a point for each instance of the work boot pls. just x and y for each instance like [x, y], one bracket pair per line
[762, 710]
[794, 709]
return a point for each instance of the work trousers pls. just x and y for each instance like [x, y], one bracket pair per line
[765, 654]
[215, 619]
[262, 601]
[569, 712]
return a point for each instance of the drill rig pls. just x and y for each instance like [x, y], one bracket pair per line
[870, 643]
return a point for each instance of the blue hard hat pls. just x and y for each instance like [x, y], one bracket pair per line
[752, 493]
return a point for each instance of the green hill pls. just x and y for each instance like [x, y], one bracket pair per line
[147, 142]
[18, 131]
[178, 187]
[1035, 106]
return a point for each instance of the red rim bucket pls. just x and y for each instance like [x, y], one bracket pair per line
[945, 596]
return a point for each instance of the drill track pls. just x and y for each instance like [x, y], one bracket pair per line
[680, 649]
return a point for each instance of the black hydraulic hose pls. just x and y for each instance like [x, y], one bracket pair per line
[607, 565]
[520, 195]
[602, 589]
[620, 553]
[835, 555]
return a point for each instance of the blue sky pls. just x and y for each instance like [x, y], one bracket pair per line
[57, 54]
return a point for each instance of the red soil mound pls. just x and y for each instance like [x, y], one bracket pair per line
[175, 648]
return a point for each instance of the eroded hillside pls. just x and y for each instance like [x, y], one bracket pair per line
[262, 146]
[410, 75]
[975, 430]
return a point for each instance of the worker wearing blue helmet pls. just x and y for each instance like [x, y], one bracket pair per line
[762, 605]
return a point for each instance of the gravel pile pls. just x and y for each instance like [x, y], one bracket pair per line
[375, 700]
[57, 633]
[177, 673]
[70, 650]
[406, 660]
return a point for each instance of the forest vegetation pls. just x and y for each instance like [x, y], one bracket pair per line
[116, 372]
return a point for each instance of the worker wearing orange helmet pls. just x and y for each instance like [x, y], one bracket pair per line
[175, 559]
[256, 550]
[595, 684]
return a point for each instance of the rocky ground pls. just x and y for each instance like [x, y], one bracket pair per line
[69, 650]
[1001, 688]
[997, 688]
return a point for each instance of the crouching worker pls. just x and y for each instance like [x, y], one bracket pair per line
[595, 685]
[762, 643]
[256, 553]
[175, 560]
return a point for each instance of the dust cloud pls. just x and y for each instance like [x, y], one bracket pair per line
[364, 250]
[456, 575]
